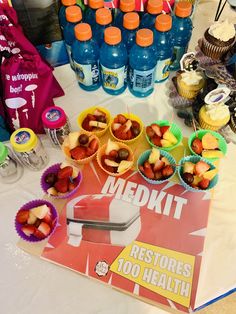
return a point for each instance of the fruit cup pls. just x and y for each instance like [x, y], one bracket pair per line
[208, 144]
[94, 114]
[156, 166]
[61, 180]
[117, 164]
[201, 174]
[164, 135]
[126, 128]
[80, 148]
[36, 220]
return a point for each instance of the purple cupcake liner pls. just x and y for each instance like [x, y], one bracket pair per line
[30, 205]
[45, 186]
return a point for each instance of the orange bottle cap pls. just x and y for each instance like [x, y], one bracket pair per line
[66, 3]
[144, 37]
[96, 4]
[154, 6]
[183, 9]
[103, 16]
[127, 5]
[112, 35]
[131, 20]
[73, 14]
[83, 31]
[163, 22]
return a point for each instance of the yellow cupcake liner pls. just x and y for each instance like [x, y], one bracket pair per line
[207, 126]
[130, 116]
[205, 122]
[91, 110]
[188, 92]
[66, 151]
[101, 152]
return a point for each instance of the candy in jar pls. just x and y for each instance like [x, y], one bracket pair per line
[29, 149]
[56, 125]
[10, 170]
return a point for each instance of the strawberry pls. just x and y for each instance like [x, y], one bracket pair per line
[167, 171]
[72, 186]
[78, 153]
[148, 173]
[38, 234]
[62, 185]
[201, 167]
[156, 140]
[158, 175]
[91, 117]
[149, 131]
[121, 119]
[197, 146]
[147, 165]
[22, 216]
[47, 218]
[116, 120]
[156, 128]
[65, 172]
[135, 124]
[121, 135]
[93, 144]
[141, 168]
[204, 183]
[85, 125]
[89, 151]
[159, 164]
[164, 128]
[28, 230]
[44, 228]
[113, 153]
[129, 135]
[37, 222]
[107, 168]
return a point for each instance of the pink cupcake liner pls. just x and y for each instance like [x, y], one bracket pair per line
[45, 186]
[29, 206]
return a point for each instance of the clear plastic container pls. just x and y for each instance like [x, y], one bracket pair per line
[85, 53]
[29, 149]
[103, 20]
[154, 8]
[10, 170]
[114, 61]
[130, 27]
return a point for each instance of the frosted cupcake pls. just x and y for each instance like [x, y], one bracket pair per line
[218, 39]
[214, 116]
[190, 83]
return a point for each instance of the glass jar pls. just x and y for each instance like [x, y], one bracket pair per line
[29, 149]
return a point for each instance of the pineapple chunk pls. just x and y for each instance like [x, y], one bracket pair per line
[209, 141]
[40, 211]
[188, 167]
[211, 153]
[98, 124]
[73, 139]
[111, 146]
[210, 174]
[111, 163]
[169, 136]
[166, 143]
[154, 156]
[124, 165]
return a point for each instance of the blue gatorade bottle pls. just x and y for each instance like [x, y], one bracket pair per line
[163, 44]
[103, 20]
[154, 8]
[90, 13]
[130, 27]
[142, 63]
[181, 32]
[62, 12]
[125, 7]
[113, 60]
[85, 53]
[73, 17]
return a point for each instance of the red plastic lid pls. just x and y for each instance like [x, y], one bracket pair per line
[54, 117]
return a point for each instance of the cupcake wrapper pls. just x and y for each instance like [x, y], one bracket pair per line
[213, 51]
[54, 169]
[207, 126]
[232, 124]
[33, 204]
[189, 94]
[144, 156]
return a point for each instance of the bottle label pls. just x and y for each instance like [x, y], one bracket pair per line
[68, 48]
[53, 115]
[87, 74]
[162, 70]
[178, 53]
[22, 137]
[141, 81]
[114, 78]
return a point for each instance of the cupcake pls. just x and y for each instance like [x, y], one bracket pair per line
[214, 116]
[190, 83]
[233, 122]
[218, 39]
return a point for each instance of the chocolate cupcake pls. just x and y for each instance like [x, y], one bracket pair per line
[218, 39]
[233, 122]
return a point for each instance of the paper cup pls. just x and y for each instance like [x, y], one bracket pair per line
[101, 152]
[91, 110]
[174, 128]
[130, 116]
[145, 155]
[29, 206]
[195, 159]
[54, 169]
[200, 134]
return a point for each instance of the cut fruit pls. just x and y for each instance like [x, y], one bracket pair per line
[116, 126]
[52, 191]
[111, 163]
[169, 136]
[98, 112]
[159, 164]
[156, 129]
[111, 146]
[28, 230]
[44, 228]
[164, 128]
[75, 170]
[22, 216]
[166, 161]
[166, 143]
[188, 167]
[32, 218]
[128, 125]
[197, 146]
[210, 174]
[201, 167]
[196, 180]
[209, 141]
[98, 124]
[73, 140]
[124, 165]
[154, 156]
[40, 211]
[212, 153]
[203, 184]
